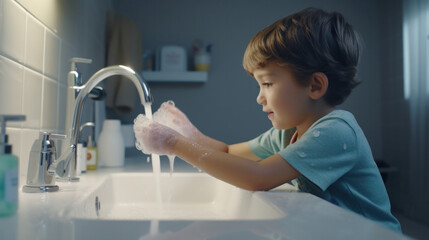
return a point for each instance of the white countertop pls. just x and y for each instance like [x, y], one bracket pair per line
[306, 217]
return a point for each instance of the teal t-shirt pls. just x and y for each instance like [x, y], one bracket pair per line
[336, 164]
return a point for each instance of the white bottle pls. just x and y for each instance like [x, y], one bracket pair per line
[81, 158]
[173, 59]
[111, 150]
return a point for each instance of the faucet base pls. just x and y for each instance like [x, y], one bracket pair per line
[40, 189]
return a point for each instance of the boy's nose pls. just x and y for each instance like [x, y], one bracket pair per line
[260, 99]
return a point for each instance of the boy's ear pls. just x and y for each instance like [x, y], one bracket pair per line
[318, 85]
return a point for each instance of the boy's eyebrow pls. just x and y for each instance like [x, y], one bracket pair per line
[263, 74]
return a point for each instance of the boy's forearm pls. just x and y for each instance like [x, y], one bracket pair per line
[211, 143]
[230, 168]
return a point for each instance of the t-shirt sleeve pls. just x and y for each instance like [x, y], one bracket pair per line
[266, 144]
[324, 153]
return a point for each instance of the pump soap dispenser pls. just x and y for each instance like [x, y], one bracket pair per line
[8, 170]
[74, 77]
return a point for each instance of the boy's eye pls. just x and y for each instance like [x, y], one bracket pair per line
[266, 84]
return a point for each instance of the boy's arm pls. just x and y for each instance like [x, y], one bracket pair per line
[243, 150]
[210, 142]
[239, 149]
[240, 171]
[236, 170]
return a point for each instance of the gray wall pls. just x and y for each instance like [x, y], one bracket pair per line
[395, 109]
[225, 107]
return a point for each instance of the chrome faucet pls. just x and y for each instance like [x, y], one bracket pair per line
[66, 165]
[42, 155]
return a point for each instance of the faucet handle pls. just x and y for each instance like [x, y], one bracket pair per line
[57, 136]
[42, 156]
[75, 60]
[74, 78]
[47, 143]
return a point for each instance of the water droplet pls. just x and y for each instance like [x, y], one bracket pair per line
[345, 146]
[171, 159]
[138, 145]
[302, 154]
[316, 133]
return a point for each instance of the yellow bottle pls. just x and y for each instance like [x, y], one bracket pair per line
[91, 160]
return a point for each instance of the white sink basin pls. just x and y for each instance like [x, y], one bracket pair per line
[184, 196]
[198, 206]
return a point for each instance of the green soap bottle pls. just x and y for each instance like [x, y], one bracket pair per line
[8, 170]
[8, 182]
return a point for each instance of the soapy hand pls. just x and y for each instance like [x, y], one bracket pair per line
[153, 137]
[158, 135]
[169, 115]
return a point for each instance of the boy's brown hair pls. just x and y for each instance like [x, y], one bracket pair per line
[306, 42]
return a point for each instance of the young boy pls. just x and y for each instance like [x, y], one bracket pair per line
[305, 65]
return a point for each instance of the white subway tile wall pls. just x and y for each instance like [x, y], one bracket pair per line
[11, 87]
[52, 55]
[27, 138]
[13, 32]
[49, 104]
[34, 62]
[67, 52]
[31, 102]
[34, 44]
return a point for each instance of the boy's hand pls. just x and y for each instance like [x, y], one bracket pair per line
[169, 115]
[153, 137]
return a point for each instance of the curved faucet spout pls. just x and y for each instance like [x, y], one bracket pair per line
[68, 158]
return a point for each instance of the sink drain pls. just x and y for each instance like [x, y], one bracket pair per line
[97, 206]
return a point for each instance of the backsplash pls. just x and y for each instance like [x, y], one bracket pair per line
[34, 62]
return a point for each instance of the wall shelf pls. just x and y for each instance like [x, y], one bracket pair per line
[188, 76]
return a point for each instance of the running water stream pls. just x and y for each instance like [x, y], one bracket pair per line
[156, 168]
[162, 117]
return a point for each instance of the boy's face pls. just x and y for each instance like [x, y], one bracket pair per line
[281, 96]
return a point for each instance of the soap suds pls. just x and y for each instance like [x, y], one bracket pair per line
[152, 137]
